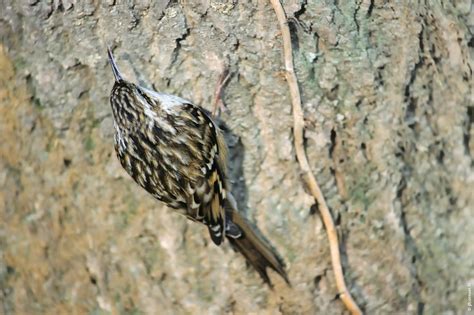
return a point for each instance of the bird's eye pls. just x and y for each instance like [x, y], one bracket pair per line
[140, 92]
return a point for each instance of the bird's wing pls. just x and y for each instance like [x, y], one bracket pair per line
[199, 152]
[206, 195]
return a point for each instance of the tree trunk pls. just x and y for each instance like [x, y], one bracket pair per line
[387, 95]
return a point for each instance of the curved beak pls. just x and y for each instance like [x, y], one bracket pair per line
[113, 64]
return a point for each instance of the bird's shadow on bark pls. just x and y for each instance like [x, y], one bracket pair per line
[235, 160]
[236, 178]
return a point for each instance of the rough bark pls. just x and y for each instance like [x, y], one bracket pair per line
[387, 95]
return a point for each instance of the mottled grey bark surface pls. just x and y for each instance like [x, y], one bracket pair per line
[387, 94]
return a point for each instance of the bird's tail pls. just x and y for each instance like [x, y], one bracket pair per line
[255, 249]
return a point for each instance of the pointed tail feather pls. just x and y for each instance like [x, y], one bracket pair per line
[257, 252]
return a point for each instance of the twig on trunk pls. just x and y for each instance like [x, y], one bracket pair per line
[308, 176]
[219, 105]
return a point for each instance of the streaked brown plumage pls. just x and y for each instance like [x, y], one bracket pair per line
[175, 151]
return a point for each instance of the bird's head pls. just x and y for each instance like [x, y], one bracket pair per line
[124, 97]
[131, 102]
[124, 86]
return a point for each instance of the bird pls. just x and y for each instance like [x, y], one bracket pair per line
[176, 151]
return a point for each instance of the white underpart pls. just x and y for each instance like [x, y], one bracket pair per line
[166, 102]
[149, 113]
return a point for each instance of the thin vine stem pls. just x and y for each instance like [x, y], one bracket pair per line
[308, 177]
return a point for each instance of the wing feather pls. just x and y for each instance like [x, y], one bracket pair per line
[206, 195]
